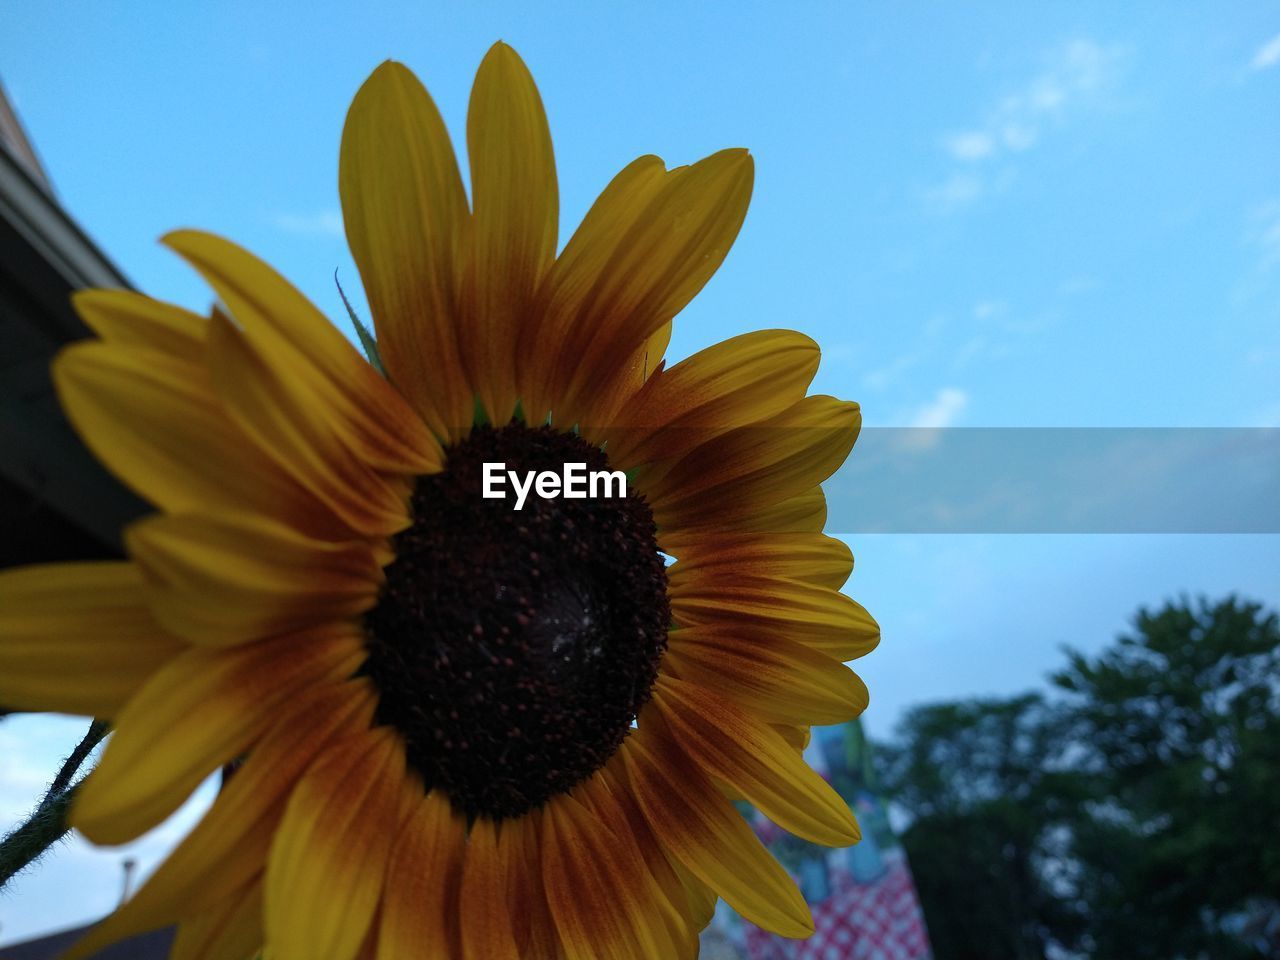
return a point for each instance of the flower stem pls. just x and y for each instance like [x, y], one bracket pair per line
[97, 730]
[42, 830]
[48, 824]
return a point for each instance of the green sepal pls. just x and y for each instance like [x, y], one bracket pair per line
[367, 339]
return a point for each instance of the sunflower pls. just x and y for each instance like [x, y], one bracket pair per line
[462, 730]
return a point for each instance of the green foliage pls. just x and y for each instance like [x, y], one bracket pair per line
[1131, 816]
[1181, 722]
[987, 801]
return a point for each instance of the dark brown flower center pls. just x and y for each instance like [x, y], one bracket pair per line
[513, 648]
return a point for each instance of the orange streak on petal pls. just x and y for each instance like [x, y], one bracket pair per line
[202, 710]
[773, 677]
[420, 907]
[327, 866]
[812, 557]
[701, 829]
[233, 928]
[230, 843]
[819, 617]
[598, 886]
[484, 910]
[226, 579]
[755, 760]
[756, 466]
[290, 334]
[516, 209]
[406, 219]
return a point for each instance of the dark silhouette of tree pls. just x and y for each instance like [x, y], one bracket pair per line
[1134, 815]
[987, 802]
[1179, 723]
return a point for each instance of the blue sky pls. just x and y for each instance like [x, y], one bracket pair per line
[1003, 215]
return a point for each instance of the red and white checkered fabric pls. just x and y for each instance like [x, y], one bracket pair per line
[876, 921]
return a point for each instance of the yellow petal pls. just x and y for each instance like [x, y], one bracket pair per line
[757, 466]
[515, 214]
[700, 828]
[327, 865]
[804, 513]
[227, 579]
[292, 424]
[664, 255]
[811, 557]
[130, 319]
[154, 421]
[229, 846]
[485, 915]
[702, 898]
[580, 266]
[77, 637]
[406, 218]
[655, 348]
[797, 737]
[642, 366]
[287, 330]
[421, 900]
[669, 894]
[232, 930]
[532, 925]
[201, 711]
[753, 759]
[819, 617]
[598, 887]
[774, 678]
[741, 381]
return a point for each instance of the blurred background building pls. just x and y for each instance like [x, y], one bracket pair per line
[56, 501]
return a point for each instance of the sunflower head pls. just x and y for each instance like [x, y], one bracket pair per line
[513, 649]
[467, 730]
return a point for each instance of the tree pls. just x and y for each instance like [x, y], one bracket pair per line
[1180, 720]
[1132, 816]
[987, 801]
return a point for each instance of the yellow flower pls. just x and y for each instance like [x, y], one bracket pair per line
[468, 730]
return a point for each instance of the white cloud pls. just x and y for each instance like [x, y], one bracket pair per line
[924, 345]
[326, 223]
[942, 410]
[970, 145]
[1268, 55]
[986, 309]
[1017, 137]
[1085, 66]
[973, 348]
[1264, 234]
[1076, 74]
[926, 422]
[1044, 96]
[958, 190]
[885, 376]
